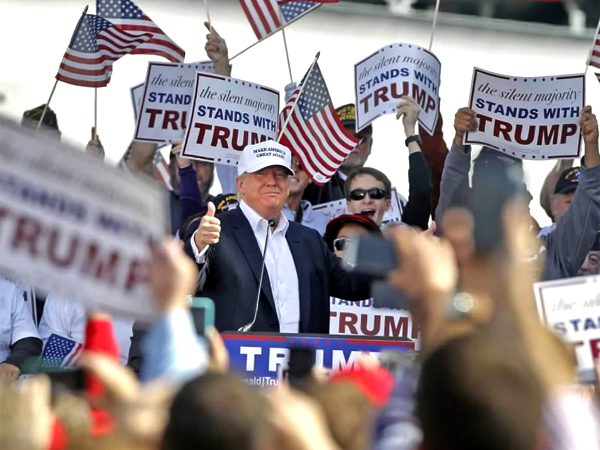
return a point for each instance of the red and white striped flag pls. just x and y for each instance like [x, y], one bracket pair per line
[284, 2]
[595, 53]
[314, 132]
[265, 15]
[95, 45]
[127, 16]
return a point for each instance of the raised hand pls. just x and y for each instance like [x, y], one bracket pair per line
[209, 230]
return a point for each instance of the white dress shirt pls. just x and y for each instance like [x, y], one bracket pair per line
[280, 267]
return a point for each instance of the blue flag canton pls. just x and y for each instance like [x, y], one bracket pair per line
[291, 10]
[56, 350]
[314, 96]
[118, 9]
[86, 39]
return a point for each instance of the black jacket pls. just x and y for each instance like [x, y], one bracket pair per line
[232, 271]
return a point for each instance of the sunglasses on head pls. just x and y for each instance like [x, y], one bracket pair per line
[373, 193]
[341, 244]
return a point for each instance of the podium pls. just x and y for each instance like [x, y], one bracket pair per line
[259, 357]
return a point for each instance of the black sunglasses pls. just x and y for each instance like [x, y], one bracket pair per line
[374, 193]
[340, 244]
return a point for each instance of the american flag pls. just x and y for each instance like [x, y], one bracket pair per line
[161, 167]
[95, 45]
[127, 16]
[265, 16]
[283, 2]
[314, 132]
[60, 351]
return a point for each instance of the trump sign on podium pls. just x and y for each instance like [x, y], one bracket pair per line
[74, 226]
[166, 100]
[396, 70]
[571, 308]
[528, 118]
[226, 116]
[259, 358]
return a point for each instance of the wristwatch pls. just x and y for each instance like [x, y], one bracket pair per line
[416, 138]
[460, 306]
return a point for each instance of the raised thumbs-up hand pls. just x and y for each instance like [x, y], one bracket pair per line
[209, 230]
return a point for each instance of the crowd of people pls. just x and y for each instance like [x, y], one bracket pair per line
[488, 376]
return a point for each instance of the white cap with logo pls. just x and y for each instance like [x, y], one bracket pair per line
[265, 154]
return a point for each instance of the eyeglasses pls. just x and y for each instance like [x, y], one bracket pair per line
[374, 193]
[341, 244]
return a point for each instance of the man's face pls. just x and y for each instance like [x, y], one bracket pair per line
[560, 204]
[359, 155]
[265, 191]
[368, 206]
[205, 175]
[299, 181]
[342, 241]
[591, 266]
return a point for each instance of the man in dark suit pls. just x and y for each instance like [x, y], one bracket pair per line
[301, 272]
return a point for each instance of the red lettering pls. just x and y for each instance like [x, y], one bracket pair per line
[483, 120]
[67, 259]
[502, 128]
[405, 88]
[568, 130]
[519, 135]
[348, 320]
[139, 274]
[595, 347]
[381, 95]
[255, 138]
[203, 127]
[395, 329]
[220, 134]
[170, 118]
[365, 103]
[153, 113]
[27, 233]
[415, 329]
[235, 138]
[430, 104]
[419, 95]
[364, 319]
[101, 269]
[548, 135]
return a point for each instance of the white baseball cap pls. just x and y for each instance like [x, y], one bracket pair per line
[265, 154]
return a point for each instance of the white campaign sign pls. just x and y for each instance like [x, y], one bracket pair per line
[571, 308]
[380, 80]
[74, 226]
[167, 99]
[362, 319]
[338, 207]
[227, 115]
[528, 118]
[137, 97]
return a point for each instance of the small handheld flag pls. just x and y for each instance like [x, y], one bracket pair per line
[312, 129]
[60, 351]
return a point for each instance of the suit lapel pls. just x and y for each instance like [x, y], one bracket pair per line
[301, 261]
[247, 242]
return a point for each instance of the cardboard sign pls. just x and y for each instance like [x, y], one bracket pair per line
[259, 358]
[74, 226]
[362, 319]
[167, 98]
[571, 308]
[338, 207]
[137, 97]
[528, 118]
[380, 80]
[227, 115]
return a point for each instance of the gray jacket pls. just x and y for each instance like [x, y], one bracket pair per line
[568, 245]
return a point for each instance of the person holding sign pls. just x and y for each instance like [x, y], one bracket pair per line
[301, 272]
[368, 191]
[568, 245]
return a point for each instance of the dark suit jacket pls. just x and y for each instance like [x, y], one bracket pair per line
[232, 271]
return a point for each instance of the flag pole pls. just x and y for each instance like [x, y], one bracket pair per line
[435, 16]
[96, 109]
[208, 15]
[56, 81]
[589, 58]
[287, 53]
[287, 119]
[249, 47]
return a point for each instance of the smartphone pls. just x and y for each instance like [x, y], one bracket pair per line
[371, 255]
[300, 364]
[203, 313]
[495, 183]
